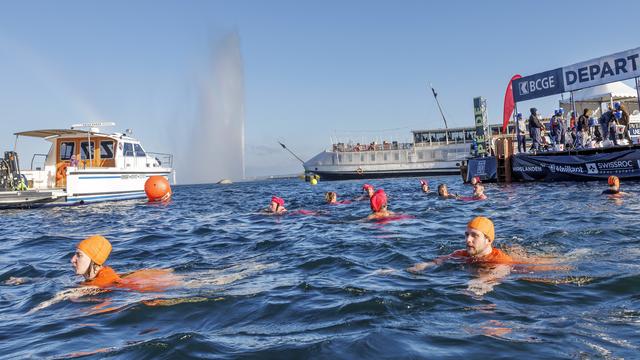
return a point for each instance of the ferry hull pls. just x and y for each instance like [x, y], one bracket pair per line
[352, 175]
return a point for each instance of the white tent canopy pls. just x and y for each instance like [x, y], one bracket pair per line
[601, 93]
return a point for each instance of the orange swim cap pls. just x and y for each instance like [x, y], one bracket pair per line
[378, 200]
[483, 225]
[613, 181]
[97, 247]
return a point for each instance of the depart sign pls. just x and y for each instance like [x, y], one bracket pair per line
[619, 66]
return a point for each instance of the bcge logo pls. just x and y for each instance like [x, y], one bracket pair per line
[592, 168]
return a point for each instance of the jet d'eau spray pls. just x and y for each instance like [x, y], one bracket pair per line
[216, 143]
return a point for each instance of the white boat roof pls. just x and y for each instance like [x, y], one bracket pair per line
[51, 132]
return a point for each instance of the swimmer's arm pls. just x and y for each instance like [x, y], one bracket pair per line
[420, 267]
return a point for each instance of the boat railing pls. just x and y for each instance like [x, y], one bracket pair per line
[39, 156]
[386, 145]
[163, 159]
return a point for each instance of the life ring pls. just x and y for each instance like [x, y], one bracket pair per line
[359, 171]
[61, 171]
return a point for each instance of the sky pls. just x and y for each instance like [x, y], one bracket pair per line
[310, 70]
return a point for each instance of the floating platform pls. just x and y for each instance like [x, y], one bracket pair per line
[574, 165]
[30, 199]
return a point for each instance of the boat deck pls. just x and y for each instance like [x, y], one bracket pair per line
[30, 198]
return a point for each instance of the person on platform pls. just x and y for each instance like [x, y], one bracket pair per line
[521, 126]
[623, 119]
[443, 192]
[424, 185]
[535, 128]
[378, 204]
[583, 128]
[614, 187]
[605, 122]
[276, 206]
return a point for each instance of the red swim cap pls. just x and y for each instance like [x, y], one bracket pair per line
[366, 187]
[477, 179]
[613, 181]
[278, 200]
[378, 200]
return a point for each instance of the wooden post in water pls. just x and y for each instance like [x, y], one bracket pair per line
[504, 151]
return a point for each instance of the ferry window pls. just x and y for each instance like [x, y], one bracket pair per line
[396, 156]
[420, 155]
[417, 137]
[350, 158]
[128, 149]
[138, 150]
[86, 151]
[106, 149]
[66, 150]
[362, 158]
[373, 157]
[385, 157]
[339, 158]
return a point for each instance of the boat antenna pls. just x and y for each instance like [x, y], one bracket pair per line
[435, 95]
[294, 155]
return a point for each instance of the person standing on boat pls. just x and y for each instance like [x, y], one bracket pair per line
[521, 133]
[561, 128]
[535, 127]
[604, 121]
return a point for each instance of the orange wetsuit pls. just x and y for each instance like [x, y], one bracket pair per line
[495, 257]
[153, 280]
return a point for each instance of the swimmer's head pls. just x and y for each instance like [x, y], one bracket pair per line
[368, 189]
[479, 236]
[613, 182]
[276, 203]
[378, 201]
[331, 197]
[424, 184]
[478, 190]
[92, 250]
[475, 180]
[442, 190]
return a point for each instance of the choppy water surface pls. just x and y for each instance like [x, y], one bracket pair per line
[301, 286]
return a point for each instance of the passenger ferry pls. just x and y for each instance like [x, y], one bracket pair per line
[84, 164]
[432, 152]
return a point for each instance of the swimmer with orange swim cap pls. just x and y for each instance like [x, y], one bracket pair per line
[479, 237]
[378, 204]
[614, 187]
[424, 185]
[92, 253]
[276, 206]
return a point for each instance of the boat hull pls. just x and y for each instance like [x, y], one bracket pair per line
[352, 175]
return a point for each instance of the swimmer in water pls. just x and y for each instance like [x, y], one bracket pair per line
[276, 206]
[378, 204]
[424, 185]
[92, 253]
[331, 197]
[443, 192]
[478, 192]
[614, 187]
[368, 192]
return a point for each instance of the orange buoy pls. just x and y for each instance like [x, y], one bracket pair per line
[157, 188]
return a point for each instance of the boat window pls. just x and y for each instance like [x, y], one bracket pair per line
[138, 150]
[385, 157]
[350, 158]
[106, 149]
[373, 157]
[339, 158]
[421, 155]
[362, 158]
[66, 150]
[85, 152]
[128, 149]
[396, 156]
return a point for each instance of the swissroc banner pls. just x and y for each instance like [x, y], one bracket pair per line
[625, 164]
[619, 66]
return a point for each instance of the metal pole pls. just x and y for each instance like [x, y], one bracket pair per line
[435, 96]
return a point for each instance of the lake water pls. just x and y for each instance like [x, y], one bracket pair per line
[328, 285]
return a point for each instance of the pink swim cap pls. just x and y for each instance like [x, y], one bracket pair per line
[378, 200]
[278, 200]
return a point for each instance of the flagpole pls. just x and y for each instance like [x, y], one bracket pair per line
[435, 95]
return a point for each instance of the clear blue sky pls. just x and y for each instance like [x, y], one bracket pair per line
[309, 67]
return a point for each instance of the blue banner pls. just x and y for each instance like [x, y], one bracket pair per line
[486, 168]
[624, 164]
[538, 85]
